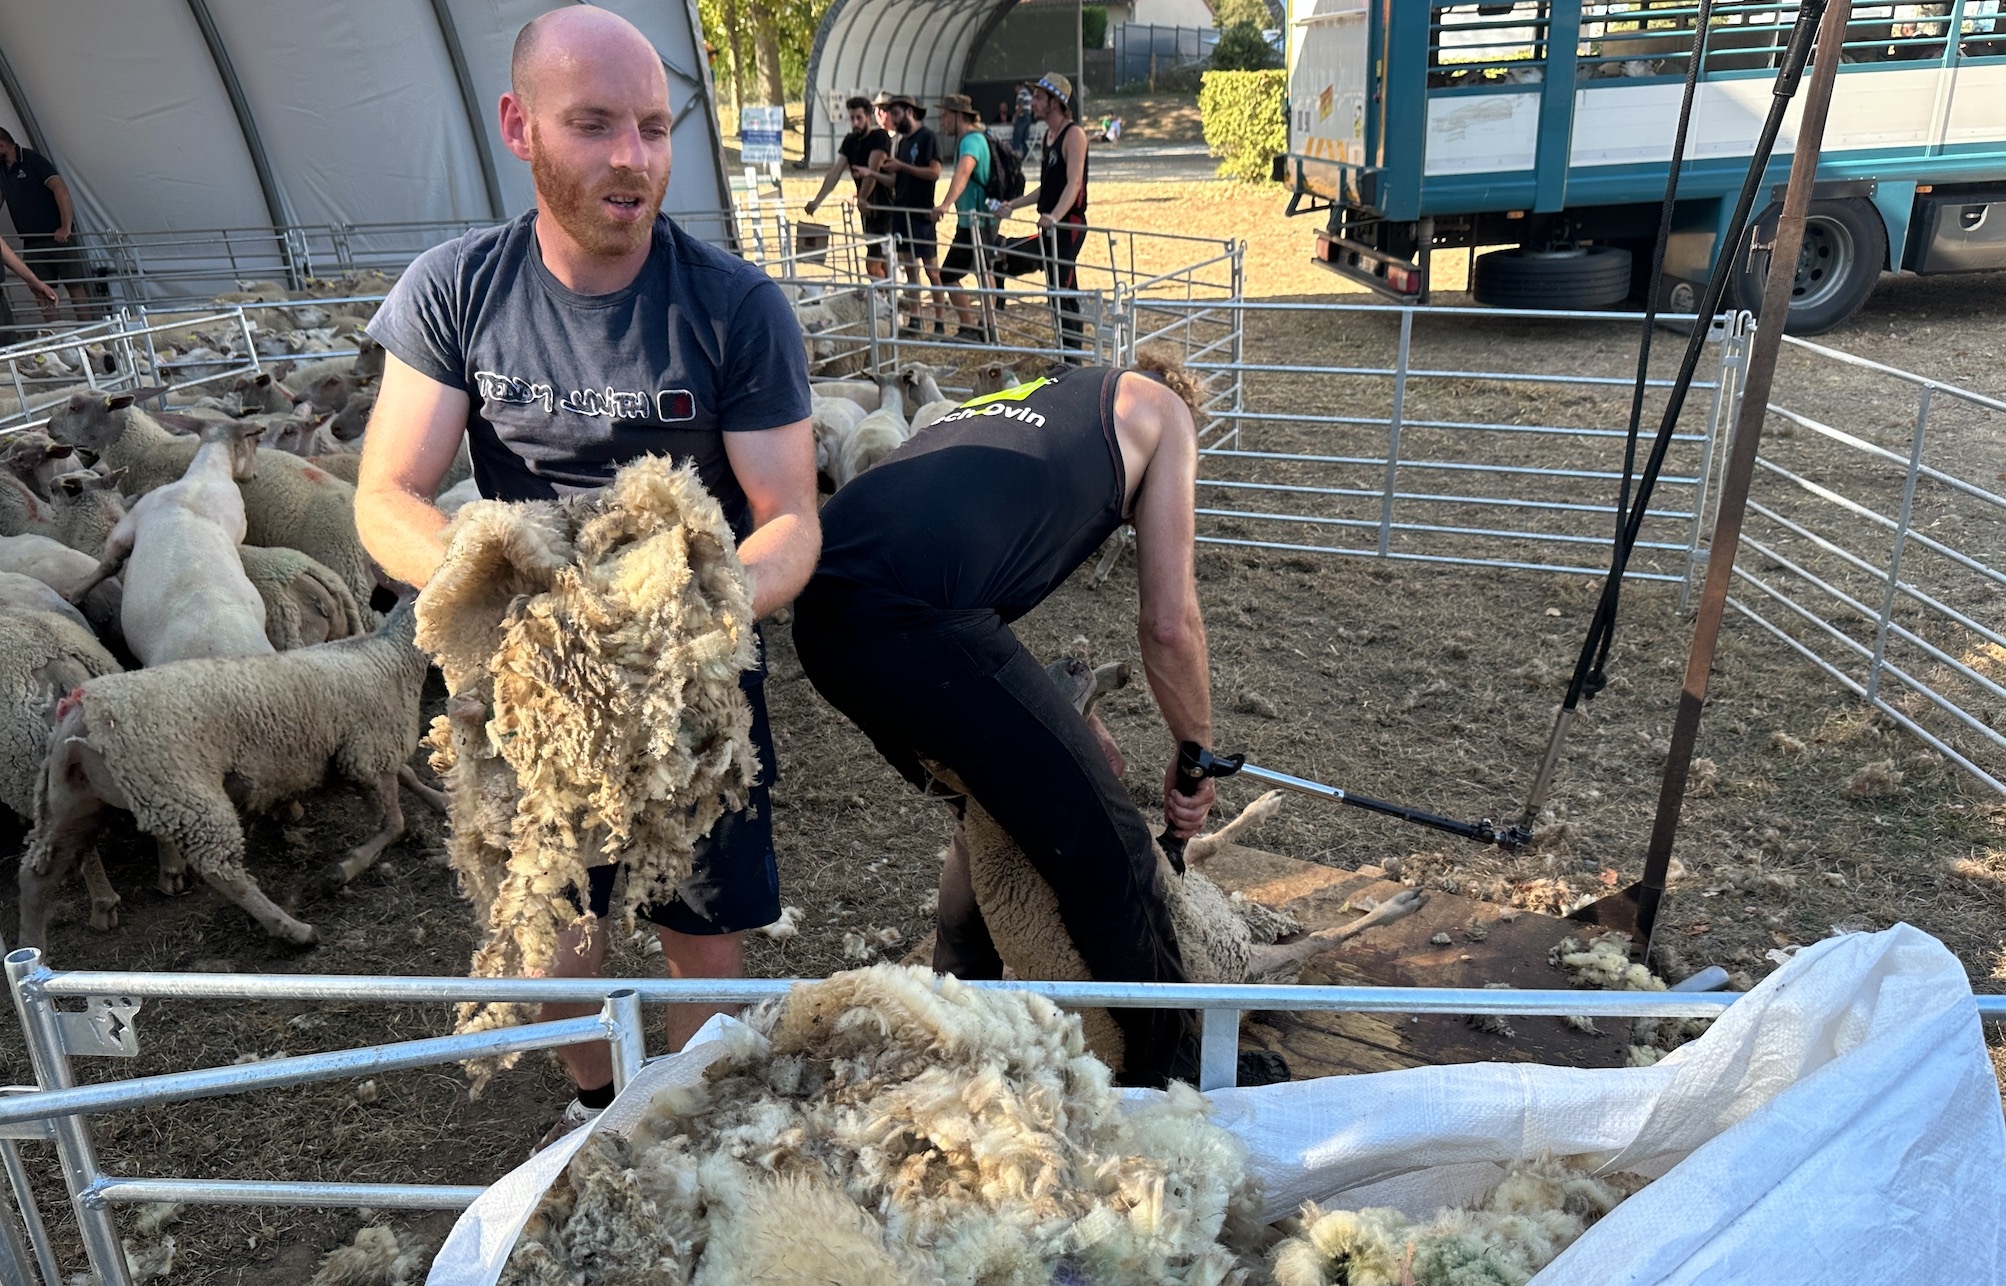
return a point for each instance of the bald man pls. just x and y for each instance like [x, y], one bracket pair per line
[563, 344]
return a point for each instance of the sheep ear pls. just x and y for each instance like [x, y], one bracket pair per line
[175, 422]
[57, 450]
[71, 484]
[264, 380]
[118, 402]
[250, 431]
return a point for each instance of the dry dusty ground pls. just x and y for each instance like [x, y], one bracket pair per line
[1425, 684]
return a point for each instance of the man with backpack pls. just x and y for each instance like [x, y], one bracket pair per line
[978, 169]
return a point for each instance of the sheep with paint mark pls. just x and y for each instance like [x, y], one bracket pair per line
[182, 747]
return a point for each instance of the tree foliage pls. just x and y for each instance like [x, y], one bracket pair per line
[1244, 123]
[1242, 47]
[1233, 13]
[760, 48]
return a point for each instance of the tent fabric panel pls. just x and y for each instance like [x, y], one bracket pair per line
[136, 116]
[696, 178]
[330, 170]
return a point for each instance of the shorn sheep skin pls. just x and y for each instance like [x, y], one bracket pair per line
[890, 1126]
[593, 648]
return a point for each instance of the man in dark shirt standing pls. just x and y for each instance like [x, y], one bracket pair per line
[39, 201]
[859, 156]
[565, 343]
[914, 169]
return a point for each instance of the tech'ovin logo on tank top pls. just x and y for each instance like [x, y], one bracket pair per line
[992, 404]
[669, 405]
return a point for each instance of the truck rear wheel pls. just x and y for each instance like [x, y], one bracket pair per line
[1583, 277]
[1844, 249]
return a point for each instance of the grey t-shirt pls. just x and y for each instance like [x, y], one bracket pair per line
[566, 387]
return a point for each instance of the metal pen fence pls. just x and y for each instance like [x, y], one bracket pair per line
[1875, 542]
[1407, 452]
[57, 1110]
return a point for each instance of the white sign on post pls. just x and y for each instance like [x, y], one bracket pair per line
[759, 130]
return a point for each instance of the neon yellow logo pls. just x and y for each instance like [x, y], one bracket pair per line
[1016, 394]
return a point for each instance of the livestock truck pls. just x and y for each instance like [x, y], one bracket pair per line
[1546, 128]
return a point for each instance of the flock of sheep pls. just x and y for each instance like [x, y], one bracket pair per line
[184, 604]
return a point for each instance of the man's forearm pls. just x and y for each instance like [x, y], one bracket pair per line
[401, 532]
[780, 556]
[1175, 659]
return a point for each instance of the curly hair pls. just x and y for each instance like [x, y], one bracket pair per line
[1163, 361]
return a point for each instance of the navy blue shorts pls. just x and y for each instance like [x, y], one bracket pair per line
[734, 883]
[913, 233]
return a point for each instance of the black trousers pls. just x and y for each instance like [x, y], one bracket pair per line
[959, 689]
[1062, 244]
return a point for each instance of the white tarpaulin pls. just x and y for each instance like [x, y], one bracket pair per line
[1840, 1122]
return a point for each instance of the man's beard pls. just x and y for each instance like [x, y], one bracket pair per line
[576, 209]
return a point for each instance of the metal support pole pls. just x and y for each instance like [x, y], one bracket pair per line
[1724, 407]
[1644, 897]
[1393, 431]
[1219, 1049]
[31, 1214]
[72, 1133]
[626, 1038]
[13, 1255]
[1901, 543]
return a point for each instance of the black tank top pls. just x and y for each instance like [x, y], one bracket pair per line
[988, 509]
[1052, 177]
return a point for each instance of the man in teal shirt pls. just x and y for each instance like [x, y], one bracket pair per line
[968, 197]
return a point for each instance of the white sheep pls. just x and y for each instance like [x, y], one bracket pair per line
[864, 393]
[65, 571]
[38, 460]
[876, 436]
[80, 510]
[834, 419]
[26, 594]
[288, 503]
[305, 603]
[42, 656]
[180, 747]
[186, 594]
[922, 390]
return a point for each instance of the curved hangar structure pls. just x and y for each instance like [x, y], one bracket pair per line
[927, 48]
[192, 115]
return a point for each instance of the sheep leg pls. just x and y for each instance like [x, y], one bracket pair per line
[172, 878]
[104, 898]
[431, 795]
[1284, 957]
[1203, 847]
[1117, 545]
[204, 826]
[360, 858]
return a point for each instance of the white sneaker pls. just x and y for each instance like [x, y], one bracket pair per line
[575, 1115]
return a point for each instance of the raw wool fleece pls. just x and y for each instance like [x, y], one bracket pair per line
[593, 648]
[889, 1125]
[1538, 1210]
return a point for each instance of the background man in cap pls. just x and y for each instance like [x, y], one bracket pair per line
[1061, 198]
[913, 169]
[859, 156]
[39, 200]
[968, 196]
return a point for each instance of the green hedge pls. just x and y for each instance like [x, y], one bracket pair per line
[1244, 121]
[1093, 26]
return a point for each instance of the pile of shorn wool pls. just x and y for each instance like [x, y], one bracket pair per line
[593, 647]
[891, 1126]
[1537, 1211]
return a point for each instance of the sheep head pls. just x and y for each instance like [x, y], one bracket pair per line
[93, 420]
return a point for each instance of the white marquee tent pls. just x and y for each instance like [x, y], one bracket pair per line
[187, 116]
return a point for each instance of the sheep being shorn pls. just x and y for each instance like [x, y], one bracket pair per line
[1222, 939]
[891, 1126]
[593, 647]
[1538, 1210]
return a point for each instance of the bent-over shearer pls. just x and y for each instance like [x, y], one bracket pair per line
[905, 628]
[565, 343]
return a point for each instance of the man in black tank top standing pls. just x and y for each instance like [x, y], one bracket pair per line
[1061, 198]
[905, 628]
